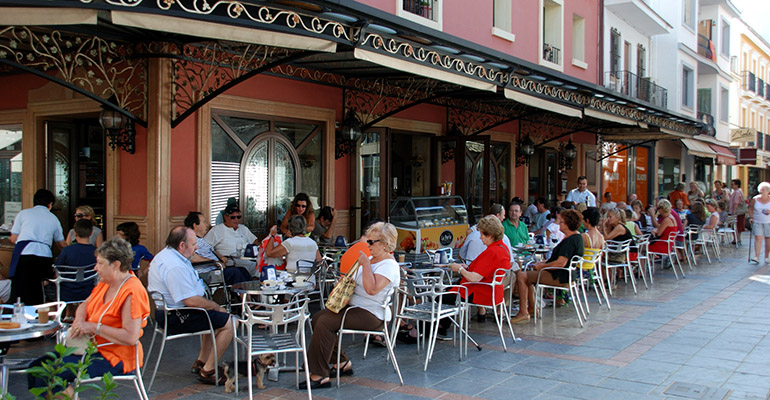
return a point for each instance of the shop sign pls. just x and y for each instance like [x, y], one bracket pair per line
[743, 135]
[747, 156]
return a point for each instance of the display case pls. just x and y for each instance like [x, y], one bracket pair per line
[429, 223]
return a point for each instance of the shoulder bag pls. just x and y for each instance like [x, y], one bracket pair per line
[343, 290]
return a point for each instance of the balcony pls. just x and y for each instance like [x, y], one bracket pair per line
[632, 85]
[767, 142]
[767, 91]
[760, 88]
[748, 81]
[707, 48]
[551, 53]
[708, 121]
[423, 8]
[640, 15]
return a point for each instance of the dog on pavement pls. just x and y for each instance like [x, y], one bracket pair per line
[260, 366]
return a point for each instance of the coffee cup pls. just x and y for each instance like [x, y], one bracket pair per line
[299, 279]
[401, 258]
[42, 315]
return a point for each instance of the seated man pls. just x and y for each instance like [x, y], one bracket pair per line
[206, 253]
[230, 238]
[540, 218]
[172, 275]
[473, 246]
[322, 232]
[79, 254]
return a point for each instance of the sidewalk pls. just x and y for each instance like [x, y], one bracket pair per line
[705, 336]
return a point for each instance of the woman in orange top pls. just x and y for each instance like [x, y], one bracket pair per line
[114, 312]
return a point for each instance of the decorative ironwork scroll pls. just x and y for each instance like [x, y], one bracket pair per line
[376, 99]
[90, 65]
[203, 70]
[475, 117]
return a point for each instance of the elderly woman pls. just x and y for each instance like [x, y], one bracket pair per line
[301, 205]
[297, 247]
[695, 193]
[375, 279]
[483, 267]
[712, 222]
[572, 245]
[115, 312]
[87, 213]
[759, 215]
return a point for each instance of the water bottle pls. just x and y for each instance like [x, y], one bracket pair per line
[18, 312]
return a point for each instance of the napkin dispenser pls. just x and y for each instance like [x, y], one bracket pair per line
[251, 250]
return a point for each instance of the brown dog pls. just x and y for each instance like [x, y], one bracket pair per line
[261, 363]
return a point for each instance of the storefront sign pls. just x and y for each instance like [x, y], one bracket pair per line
[743, 135]
[747, 156]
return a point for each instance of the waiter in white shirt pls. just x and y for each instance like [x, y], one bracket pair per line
[581, 194]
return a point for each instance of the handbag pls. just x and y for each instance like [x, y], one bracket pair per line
[80, 343]
[343, 290]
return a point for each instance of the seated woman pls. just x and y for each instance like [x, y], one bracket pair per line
[115, 312]
[297, 247]
[615, 229]
[375, 279]
[593, 240]
[572, 245]
[483, 267]
[552, 231]
[712, 222]
[632, 227]
[301, 205]
[87, 213]
[142, 257]
[666, 225]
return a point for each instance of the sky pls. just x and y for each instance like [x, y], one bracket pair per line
[755, 13]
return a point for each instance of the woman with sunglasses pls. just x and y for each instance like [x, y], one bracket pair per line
[301, 205]
[87, 213]
[375, 280]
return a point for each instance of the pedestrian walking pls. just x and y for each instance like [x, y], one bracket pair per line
[759, 214]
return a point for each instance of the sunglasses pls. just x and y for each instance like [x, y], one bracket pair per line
[78, 215]
[235, 217]
[301, 205]
[372, 242]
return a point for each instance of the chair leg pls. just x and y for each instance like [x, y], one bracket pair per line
[609, 279]
[157, 363]
[149, 350]
[339, 347]
[576, 304]
[389, 344]
[366, 344]
[307, 375]
[499, 323]
[627, 268]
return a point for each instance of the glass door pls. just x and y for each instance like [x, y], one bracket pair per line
[467, 175]
[371, 193]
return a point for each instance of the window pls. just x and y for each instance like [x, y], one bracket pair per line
[501, 21]
[641, 61]
[614, 52]
[724, 49]
[10, 174]
[688, 17]
[264, 163]
[687, 86]
[425, 12]
[724, 104]
[579, 41]
[553, 23]
[704, 101]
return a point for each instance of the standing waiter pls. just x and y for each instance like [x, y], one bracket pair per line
[34, 231]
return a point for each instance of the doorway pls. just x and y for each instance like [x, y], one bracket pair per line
[75, 166]
[544, 176]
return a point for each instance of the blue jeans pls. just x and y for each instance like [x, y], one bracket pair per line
[99, 366]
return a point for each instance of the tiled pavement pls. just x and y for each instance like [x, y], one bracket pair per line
[707, 333]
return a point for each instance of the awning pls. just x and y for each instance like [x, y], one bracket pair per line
[165, 23]
[724, 155]
[22, 16]
[543, 104]
[422, 70]
[698, 148]
[745, 156]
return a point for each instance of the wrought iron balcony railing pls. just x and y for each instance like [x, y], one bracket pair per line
[551, 53]
[760, 88]
[749, 81]
[423, 8]
[632, 85]
[706, 48]
[767, 91]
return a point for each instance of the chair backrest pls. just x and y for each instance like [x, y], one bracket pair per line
[275, 314]
[612, 246]
[68, 273]
[591, 258]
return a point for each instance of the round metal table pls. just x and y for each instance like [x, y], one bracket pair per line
[34, 331]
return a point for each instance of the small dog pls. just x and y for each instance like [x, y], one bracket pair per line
[261, 364]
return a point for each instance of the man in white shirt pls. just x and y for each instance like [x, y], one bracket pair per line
[33, 232]
[473, 246]
[205, 252]
[230, 238]
[172, 275]
[541, 217]
[581, 194]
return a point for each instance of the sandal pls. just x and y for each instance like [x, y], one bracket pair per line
[209, 378]
[319, 384]
[343, 371]
[197, 366]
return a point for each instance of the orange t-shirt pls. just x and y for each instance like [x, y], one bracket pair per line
[676, 195]
[140, 308]
[351, 255]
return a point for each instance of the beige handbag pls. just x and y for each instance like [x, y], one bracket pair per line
[343, 290]
[81, 342]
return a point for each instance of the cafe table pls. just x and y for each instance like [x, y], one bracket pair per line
[25, 332]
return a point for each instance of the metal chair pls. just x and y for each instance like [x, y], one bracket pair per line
[69, 275]
[160, 305]
[275, 315]
[135, 376]
[590, 273]
[571, 288]
[729, 230]
[428, 306]
[696, 238]
[624, 248]
[212, 274]
[383, 332]
[499, 310]
[643, 258]
[670, 253]
[710, 236]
